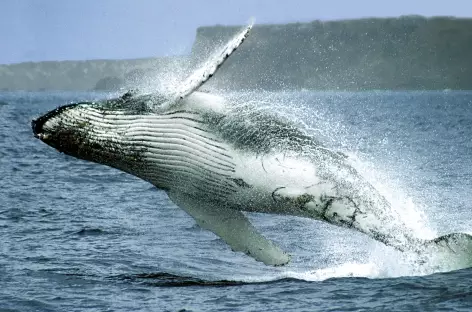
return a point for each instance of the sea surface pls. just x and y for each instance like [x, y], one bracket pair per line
[78, 236]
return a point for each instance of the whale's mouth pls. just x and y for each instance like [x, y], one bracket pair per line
[38, 125]
[92, 131]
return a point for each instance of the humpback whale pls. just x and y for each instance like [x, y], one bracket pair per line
[216, 161]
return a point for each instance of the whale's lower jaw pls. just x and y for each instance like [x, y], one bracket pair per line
[78, 130]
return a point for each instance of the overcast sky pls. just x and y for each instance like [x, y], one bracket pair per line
[36, 30]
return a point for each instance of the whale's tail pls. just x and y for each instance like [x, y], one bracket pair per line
[448, 252]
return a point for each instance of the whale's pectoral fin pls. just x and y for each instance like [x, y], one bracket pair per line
[206, 71]
[234, 228]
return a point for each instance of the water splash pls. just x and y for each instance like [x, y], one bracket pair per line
[380, 262]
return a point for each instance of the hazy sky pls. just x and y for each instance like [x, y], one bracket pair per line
[35, 30]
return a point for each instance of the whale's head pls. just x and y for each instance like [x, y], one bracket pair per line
[95, 131]
[53, 129]
[133, 133]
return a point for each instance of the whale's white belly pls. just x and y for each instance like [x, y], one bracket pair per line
[263, 178]
[183, 156]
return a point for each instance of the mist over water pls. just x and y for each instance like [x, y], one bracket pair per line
[77, 235]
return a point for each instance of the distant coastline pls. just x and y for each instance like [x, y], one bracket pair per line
[405, 53]
[80, 75]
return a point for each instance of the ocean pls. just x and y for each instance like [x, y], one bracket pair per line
[78, 236]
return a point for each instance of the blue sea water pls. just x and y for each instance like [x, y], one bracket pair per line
[77, 236]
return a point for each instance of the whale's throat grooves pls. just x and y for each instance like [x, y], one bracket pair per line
[173, 151]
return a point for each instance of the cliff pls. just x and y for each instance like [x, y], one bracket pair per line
[410, 52]
[82, 75]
